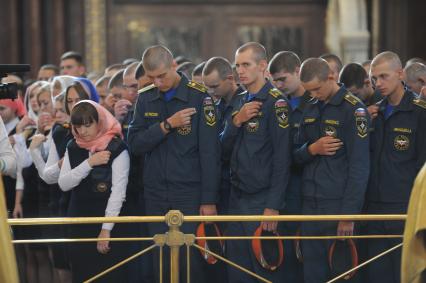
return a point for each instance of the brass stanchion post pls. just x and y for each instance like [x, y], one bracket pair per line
[174, 239]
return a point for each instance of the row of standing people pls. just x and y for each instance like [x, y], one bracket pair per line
[305, 150]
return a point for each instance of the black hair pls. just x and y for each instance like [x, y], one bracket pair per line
[198, 70]
[72, 55]
[83, 114]
[353, 74]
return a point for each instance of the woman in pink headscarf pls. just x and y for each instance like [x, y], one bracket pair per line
[95, 169]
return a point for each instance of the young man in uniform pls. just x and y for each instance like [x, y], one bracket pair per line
[398, 153]
[335, 64]
[175, 126]
[335, 154]
[284, 68]
[257, 141]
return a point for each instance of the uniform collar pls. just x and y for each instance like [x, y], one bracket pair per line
[339, 96]
[181, 90]
[263, 92]
[406, 103]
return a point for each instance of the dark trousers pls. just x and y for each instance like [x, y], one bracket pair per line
[387, 268]
[293, 269]
[240, 251]
[158, 207]
[215, 273]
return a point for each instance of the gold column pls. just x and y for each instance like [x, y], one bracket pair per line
[95, 34]
[8, 271]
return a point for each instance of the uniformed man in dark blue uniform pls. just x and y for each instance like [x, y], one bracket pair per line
[335, 155]
[257, 139]
[175, 126]
[217, 76]
[284, 68]
[221, 85]
[398, 152]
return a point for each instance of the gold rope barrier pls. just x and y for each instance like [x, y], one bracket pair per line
[204, 218]
[44, 241]
[365, 263]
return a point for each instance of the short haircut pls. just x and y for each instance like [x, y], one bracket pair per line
[51, 67]
[131, 69]
[353, 74]
[102, 80]
[415, 60]
[84, 113]
[116, 80]
[186, 68]
[333, 58]
[198, 70]
[389, 57]
[258, 50]
[72, 55]
[314, 68]
[286, 61]
[112, 67]
[156, 56]
[181, 59]
[414, 71]
[129, 61]
[219, 64]
[140, 71]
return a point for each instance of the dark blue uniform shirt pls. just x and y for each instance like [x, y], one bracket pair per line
[260, 149]
[183, 165]
[398, 146]
[342, 176]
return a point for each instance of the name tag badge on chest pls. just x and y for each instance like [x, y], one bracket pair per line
[151, 114]
[401, 142]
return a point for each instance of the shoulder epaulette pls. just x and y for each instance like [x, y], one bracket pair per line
[352, 99]
[420, 102]
[197, 86]
[275, 92]
[66, 125]
[151, 86]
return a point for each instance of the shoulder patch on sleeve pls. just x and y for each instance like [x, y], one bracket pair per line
[197, 86]
[281, 112]
[352, 99]
[151, 86]
[361, 122]
[420, 102]
[275, 92]
[209, 111]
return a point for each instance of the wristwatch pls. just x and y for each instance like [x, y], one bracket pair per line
[167, 126]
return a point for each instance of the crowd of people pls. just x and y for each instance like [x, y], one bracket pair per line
[252, 137]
